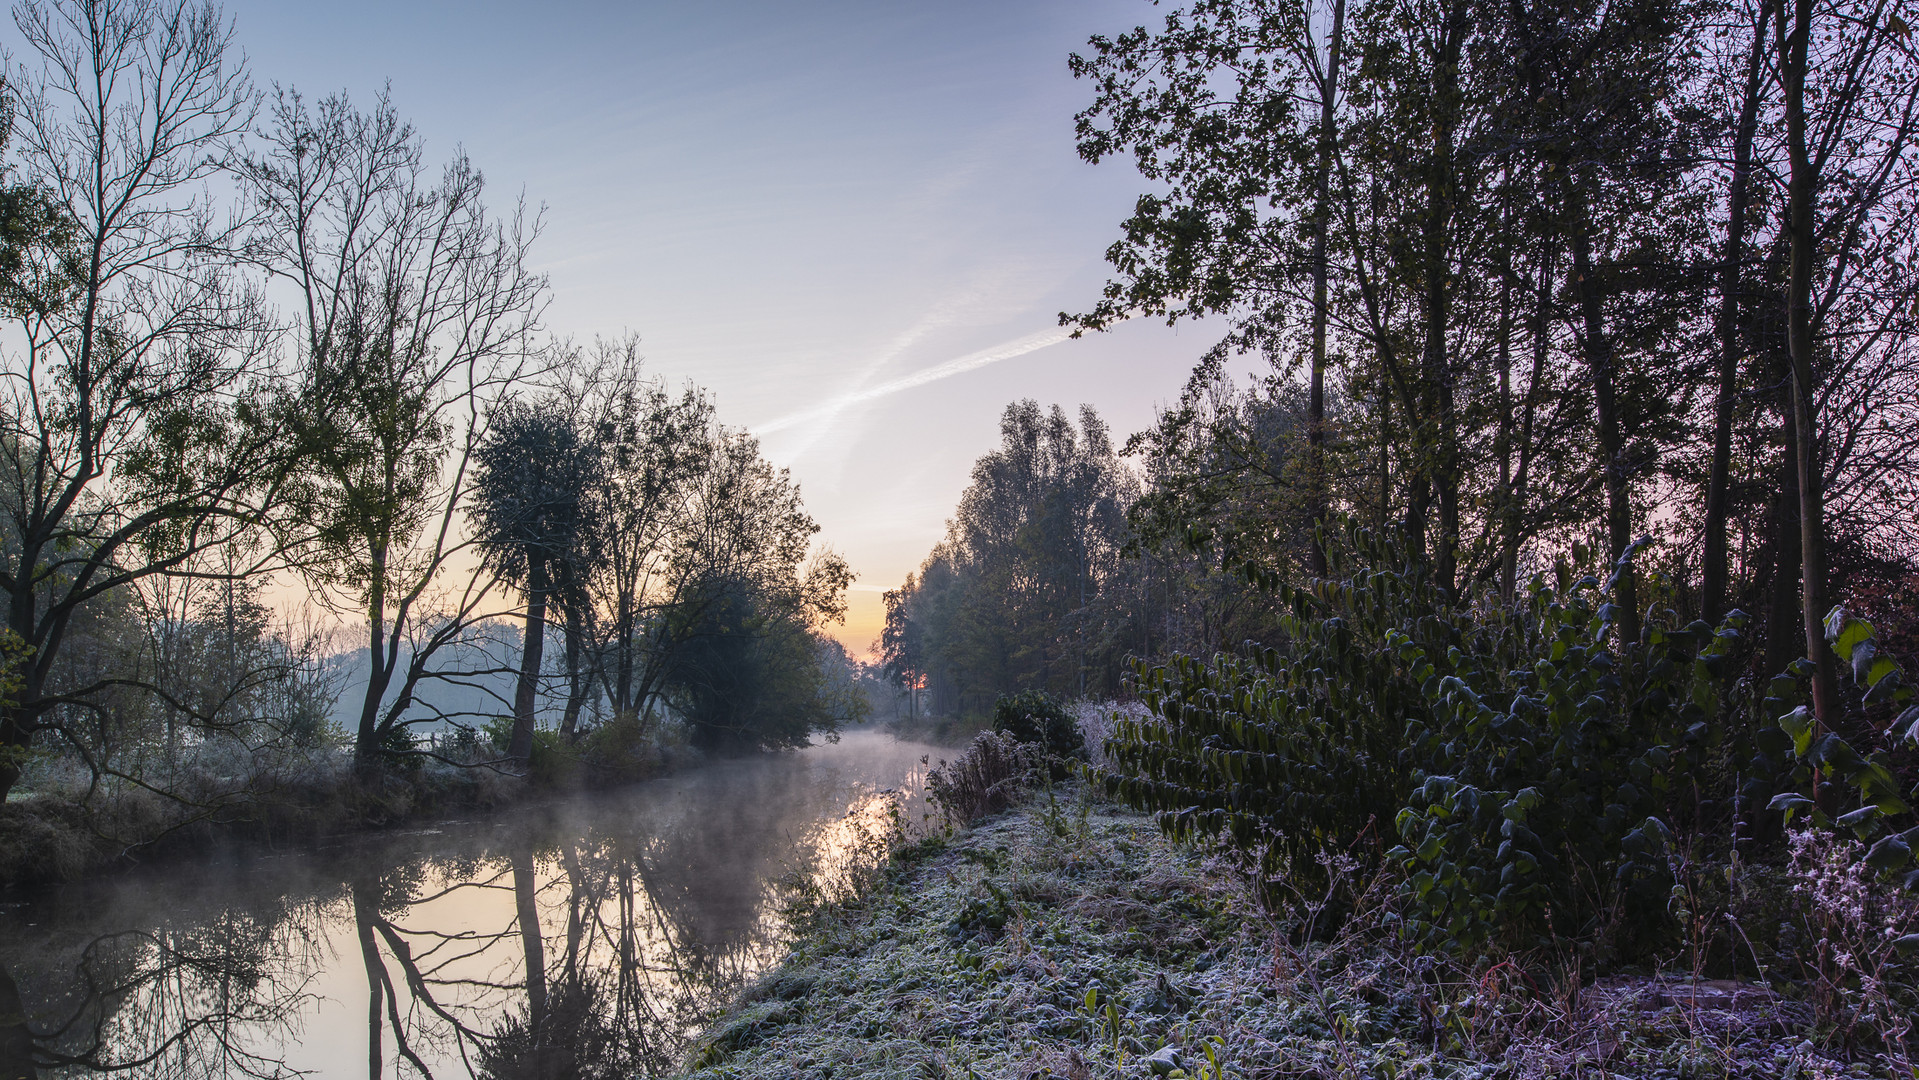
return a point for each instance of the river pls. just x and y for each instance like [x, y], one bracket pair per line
[585, 937]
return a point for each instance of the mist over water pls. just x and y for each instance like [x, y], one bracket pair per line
[587, 936]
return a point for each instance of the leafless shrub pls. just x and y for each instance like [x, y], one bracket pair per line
[1856, 973]
[1097, 721]
[984, 780]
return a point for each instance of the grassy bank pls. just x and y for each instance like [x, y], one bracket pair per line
[1068, 938]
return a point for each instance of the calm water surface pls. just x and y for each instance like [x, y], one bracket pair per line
[585, 938]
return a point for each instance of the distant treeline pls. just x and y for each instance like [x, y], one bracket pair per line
[261, 341]
[1531, 280]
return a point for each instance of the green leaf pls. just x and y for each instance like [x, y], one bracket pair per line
[1791, 802]
[1861, 658]
[1859, 818]
[1798, 724]
[1886, 681]
[1838, 623]
[1890, 853]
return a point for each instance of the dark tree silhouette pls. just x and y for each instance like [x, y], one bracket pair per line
[532, 475]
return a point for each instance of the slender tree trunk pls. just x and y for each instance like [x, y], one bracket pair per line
[1441, 454]
[1322, 220]
[1612, 446]
[1419, 506]
[1782, 615]
[532, 651]
[366, 744]
[1522, 476]
[1385, 452]
[1503, 437]
[1801, 191]
[577, 681]
[623, 647]
[1717, 559]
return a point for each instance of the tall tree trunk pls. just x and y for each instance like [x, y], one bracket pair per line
[623, 647]
[532, 651]
[1801, 190]
[1441, 453]
[1322, 220]
[1612, 447]
[1385, 453]
[1522, 476]
[1503, 437]
[1717, 559]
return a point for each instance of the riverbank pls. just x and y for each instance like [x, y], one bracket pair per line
[54, 838]
[606, 922]
[74, 830]
[1069, 938]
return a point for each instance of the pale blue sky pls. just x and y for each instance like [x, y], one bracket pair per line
[811, 209]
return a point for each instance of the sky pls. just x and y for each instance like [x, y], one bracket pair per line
[855, 223]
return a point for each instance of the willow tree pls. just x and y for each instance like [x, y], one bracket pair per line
[533, 472]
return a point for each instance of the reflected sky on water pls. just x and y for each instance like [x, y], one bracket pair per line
[581, 938]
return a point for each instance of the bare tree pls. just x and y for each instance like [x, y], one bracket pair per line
[416, 309]
[654, 447]
[129, 444]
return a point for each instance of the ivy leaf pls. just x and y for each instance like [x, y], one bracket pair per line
[1886, 681]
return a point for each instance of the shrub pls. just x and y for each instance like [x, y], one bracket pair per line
[621, 749]
[1524, 771]
[1033, 717]
[399, 749]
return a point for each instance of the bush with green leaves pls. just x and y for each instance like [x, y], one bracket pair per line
[1837, 786]
[1033, 716]
[1524, 771]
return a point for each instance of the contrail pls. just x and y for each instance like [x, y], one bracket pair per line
[969, 362]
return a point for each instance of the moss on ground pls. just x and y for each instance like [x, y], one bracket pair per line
[1075, 941]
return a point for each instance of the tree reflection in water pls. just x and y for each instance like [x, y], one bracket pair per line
[186, 999]
[585, 942]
